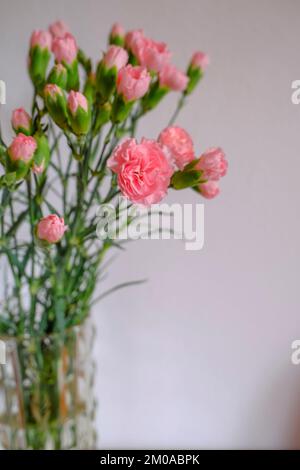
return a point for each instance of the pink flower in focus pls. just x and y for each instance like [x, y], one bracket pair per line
[51, 228]
[115, 57]
[76, 100]
[42, 39]
[22, 148]
[117, 30]
[65, 49]
[173, 78]
[200, 60]
[58, 29]
[143, 170]
[133, 82]
[213, 163]
[151, 54]
[210, 189]
[133, 36]
[180, 145]
[38, 169]
[20, 120]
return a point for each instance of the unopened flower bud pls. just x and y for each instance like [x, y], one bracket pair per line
[21, 121]
[20, 154]
[58, 76]
[107, 71]
[195, 71]
[79, 113]
[41, 155]
[117, 35]
[39, 56]
[65, 50]
[51, 229]
[56, 104]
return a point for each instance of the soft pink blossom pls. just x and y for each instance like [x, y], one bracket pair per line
[22, 148]
[133, 36]
[117, 30]
[143, 170]
[173, 78]
[58, 29]
[65, 48]
[51, 228]
[115, 57]
[179, 143]
[210, 189]
[151, 54]
[38, 169]
[133, 82]
[42, 39]
[77, 100]
[52, 90]
[200, 60]
[213, 163]
[20, 119]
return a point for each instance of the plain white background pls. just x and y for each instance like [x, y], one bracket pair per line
[199, 357]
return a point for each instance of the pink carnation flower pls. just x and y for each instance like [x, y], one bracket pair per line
[115, 57]
[20, 119]
[173, 78]
[143, 171]
[213, 163]
[42, 39]
[76, 100]
[51, 228]
[58, 29]
[210, 189]
[22, 148]
[151, 54]
[133, 82]
[200, 60]
[65, 49]
[180, 145]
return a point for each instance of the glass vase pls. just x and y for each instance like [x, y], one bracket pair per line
[46, 391]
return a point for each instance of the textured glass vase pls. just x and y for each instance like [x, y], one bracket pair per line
[46, 391]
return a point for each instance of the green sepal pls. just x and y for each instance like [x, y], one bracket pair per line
[103, 116]
[19, 167]
[154, 96]
[90, 89]
[81, 122]
[117, 40]
[57, 108]
[73, 75]
[8, 180]
[195, 74]
[84, 61]
[106, 80]
[186, 179]
[120, 109]
[42, 154]
[38, 63]
[57, 77]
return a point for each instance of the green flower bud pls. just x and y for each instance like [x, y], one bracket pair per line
[79, 113]
[56, 104]
[58, 76]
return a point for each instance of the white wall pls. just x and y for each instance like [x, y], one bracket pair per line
[200, 355]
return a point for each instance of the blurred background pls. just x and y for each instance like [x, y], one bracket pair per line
[200, 355]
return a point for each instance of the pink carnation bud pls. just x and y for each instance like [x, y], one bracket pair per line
[200, 60]
[115, 57]
[22, 148]
[151, 54]
[179, 143]
[65, 49]
[52, 90]
[173, 78]
[21, 120]
[210, 189]
[58, 29]
[143, 171]
[133, 82]
[42, 39]
[38, 169]
[51, 228]
[117, 30]
[77, 100]
[133, 36]
[213, 163]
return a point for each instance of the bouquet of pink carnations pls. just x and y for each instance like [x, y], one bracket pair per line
[74, 150]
